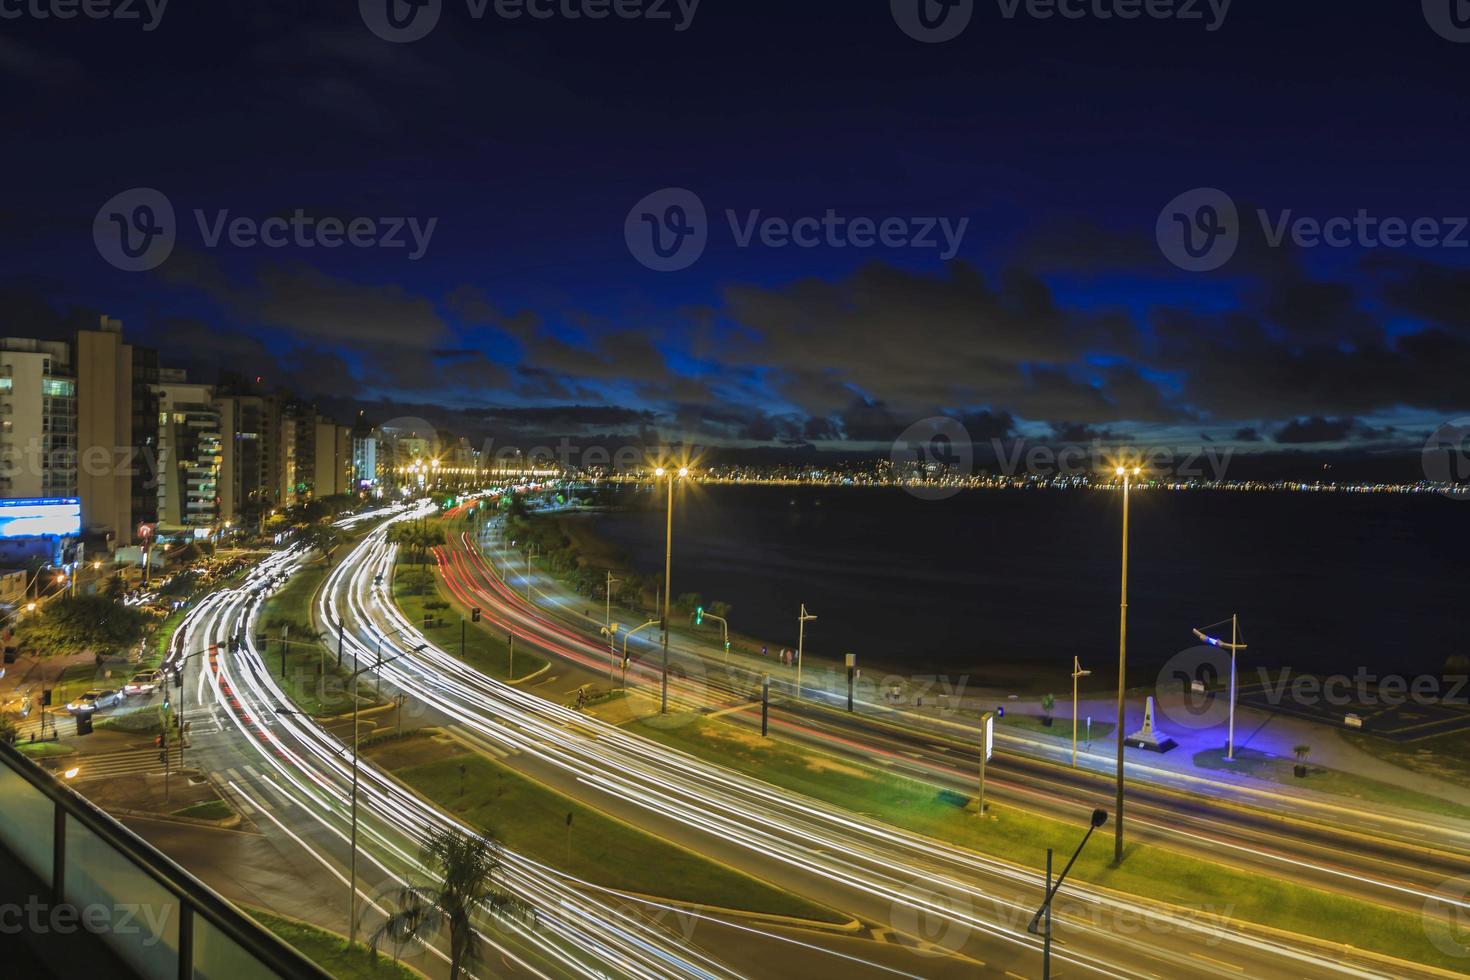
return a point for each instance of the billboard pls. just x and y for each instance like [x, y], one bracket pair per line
[40, 517]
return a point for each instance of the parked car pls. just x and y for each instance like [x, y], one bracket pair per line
[143, 682]
[94, 699]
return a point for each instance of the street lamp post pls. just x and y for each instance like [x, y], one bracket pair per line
[1099, 817]
[801, 620]
[1126, 474]
[1233, 646]
[1077, 672]
[352, 861]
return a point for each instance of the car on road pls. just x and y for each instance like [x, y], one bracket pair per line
[96, 698]
[143, 682]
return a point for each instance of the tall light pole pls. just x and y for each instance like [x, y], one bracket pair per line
[1127, 475]
[668, 590]
[1232, 646]
[801, 621]
[1077, 672]
[352, 862]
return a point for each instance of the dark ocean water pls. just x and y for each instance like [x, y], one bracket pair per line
[1322, 582]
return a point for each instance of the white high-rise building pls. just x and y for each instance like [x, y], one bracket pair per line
[38, 419]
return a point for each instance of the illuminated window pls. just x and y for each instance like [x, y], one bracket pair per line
[59, 387]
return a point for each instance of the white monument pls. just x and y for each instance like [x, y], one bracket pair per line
[1148, 737]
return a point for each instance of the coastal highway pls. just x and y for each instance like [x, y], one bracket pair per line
[847, 861]
[1357, 851]
[292, 778]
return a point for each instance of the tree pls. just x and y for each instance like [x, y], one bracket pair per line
[1302, 751]
[320, 537]
[467, 869]
[416, 538]
[87, 622]
[115, 588]
[1048, 705]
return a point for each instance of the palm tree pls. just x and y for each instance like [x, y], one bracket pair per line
[467, 868]
[1302, 751]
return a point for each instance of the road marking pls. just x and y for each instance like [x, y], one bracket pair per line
[1221, 963]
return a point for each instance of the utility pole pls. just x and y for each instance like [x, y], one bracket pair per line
[765, 704]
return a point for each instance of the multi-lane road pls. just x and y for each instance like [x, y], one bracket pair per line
[919, 907]
[899, 883]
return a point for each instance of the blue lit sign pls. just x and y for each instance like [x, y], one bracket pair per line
[40, 517]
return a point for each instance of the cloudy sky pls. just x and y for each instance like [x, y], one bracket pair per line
[1031, 178]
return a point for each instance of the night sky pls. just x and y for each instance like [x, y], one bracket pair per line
[1058, 143]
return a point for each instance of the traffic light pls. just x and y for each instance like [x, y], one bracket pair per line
[158, 741]
[475, 614]
[46, 698]
[727, 646]
[179, 676]
[698, 615]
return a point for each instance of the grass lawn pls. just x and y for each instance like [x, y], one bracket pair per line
[330, 952]
[147, 720]
[1021, 837]
[1334, 781]
[314, 692]
[41, 750]
[485, 648]
[207, 810]
[1445, 757]
[531, 818]
[1061, 727]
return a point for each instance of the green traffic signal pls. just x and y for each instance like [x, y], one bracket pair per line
[698, 615]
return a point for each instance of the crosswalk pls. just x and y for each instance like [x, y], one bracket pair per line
[123, 762]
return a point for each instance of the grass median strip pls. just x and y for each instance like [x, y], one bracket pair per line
[1210, 892]
[1322, 780]
[330, 951]
[421, 595]
[309, 673]
[531, 818]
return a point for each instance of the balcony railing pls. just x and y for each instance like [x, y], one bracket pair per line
[83, 859]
